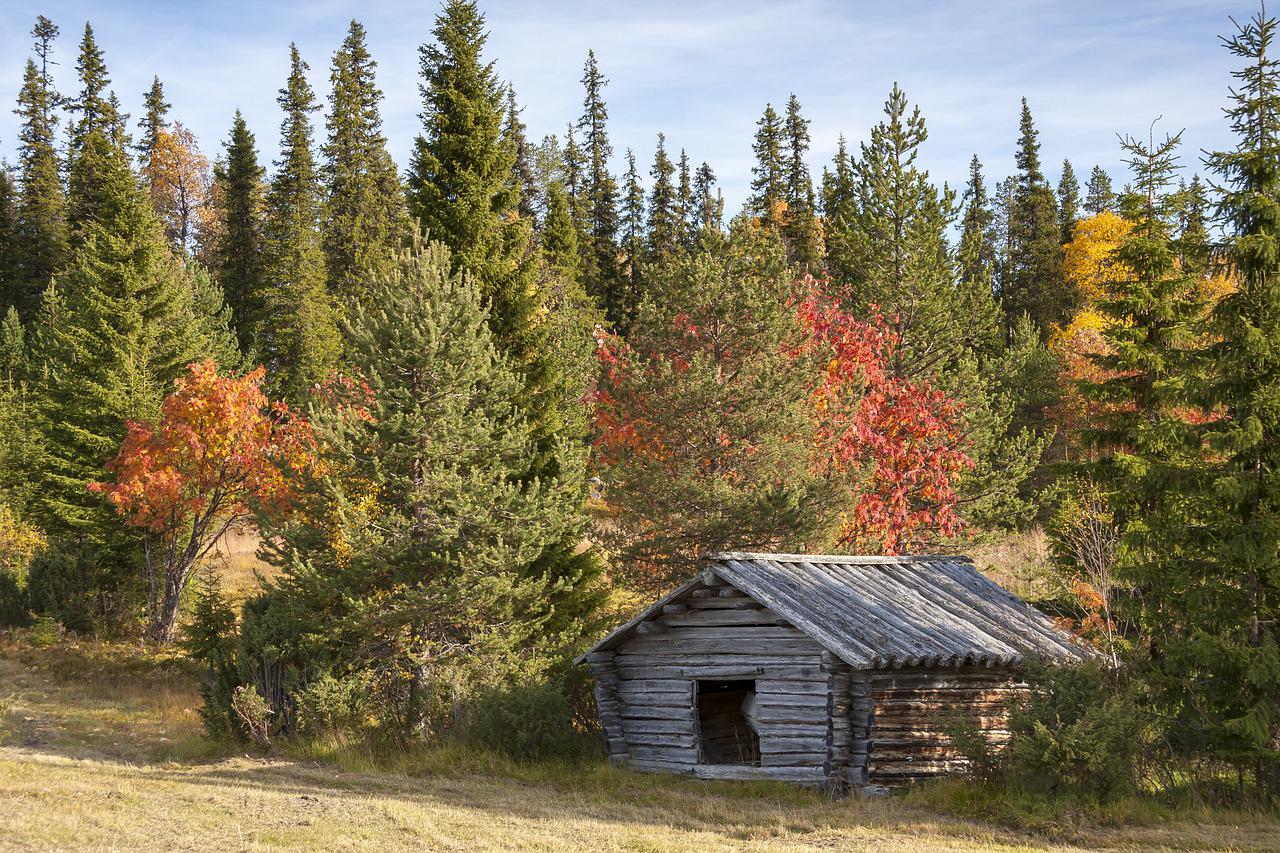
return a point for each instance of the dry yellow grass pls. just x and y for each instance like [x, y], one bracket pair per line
[100, 748]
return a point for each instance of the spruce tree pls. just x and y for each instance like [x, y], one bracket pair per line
[599, 196]
[154, 121]
[708, 203]
[1034, 283]
[977, 251]
[237, 260]
[800, 229]
[839, 199]
[297, 334]
[108, 352]
[1098, 194]
[664, 224]
[41, 215]
[10, 281]
[365, 220]
[633, 238]
[531, 194]
[684, 201]
[1068, 203]
[1229, 658]
[460, 189]
[768, 182]
[94, 104]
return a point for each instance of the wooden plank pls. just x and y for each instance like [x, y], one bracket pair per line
[654, 685]
[668, 669]
[658, 739]
[720, 645]
[746, 772]
[680, 633]
[779, 745]
[813, 759]
[770, 688]
[722, 616]
[677, 699]
[664, 753]
[652, 765]
[725, 603]
[791, 714]
[658, 726]
[647, 658]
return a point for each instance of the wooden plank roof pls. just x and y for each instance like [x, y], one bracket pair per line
[878, 612]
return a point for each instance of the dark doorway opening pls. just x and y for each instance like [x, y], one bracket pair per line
[726, 724]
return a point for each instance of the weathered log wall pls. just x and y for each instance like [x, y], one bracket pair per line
[647, 688]
[917, 710]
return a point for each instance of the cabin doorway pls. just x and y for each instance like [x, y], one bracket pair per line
[726, 722]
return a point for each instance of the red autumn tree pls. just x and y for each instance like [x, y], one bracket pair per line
[898, 437]
[746, 410]
[219, 450]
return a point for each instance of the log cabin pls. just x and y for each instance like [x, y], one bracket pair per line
[834, 671]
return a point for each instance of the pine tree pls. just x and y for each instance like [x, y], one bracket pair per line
[365, 220]
[559, 237]
[461, 191]
[664, 213]
[1068, 202]
[1233, 595]
[1098, 194]
[1193, 229]
[297, 333]
[800, 229]
[237, 260]
[437, 580]
[41, 245]
[153, 122]
[1034, 281]
[768, 182]
[890, 249]
[599, 196]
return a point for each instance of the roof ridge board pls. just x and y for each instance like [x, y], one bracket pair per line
[869, 559]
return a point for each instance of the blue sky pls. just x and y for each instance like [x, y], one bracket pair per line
[701, 71]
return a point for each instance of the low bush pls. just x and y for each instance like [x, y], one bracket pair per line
[528, 722]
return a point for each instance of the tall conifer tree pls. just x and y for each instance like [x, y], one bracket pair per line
[1230, 658]
[633, 236]
[41, 239]
[460, 189]
[600, 196]
[800, 229]
[1098, 193]
[1034, 283]
[768, 181]
[977, 252]
[297, 334]
[154, 121]
[237, 258]
[365, 220]
[1068, 202]
[708, 204]
[664, 213]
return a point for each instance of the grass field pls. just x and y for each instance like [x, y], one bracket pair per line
[100, 748]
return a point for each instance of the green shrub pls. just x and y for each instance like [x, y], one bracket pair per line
[528, 722]
[334, 705]
[59, 586]
[45, 631]
[1080, 728]
[13, 600]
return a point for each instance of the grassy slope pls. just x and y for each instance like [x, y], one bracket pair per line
[100, 748]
